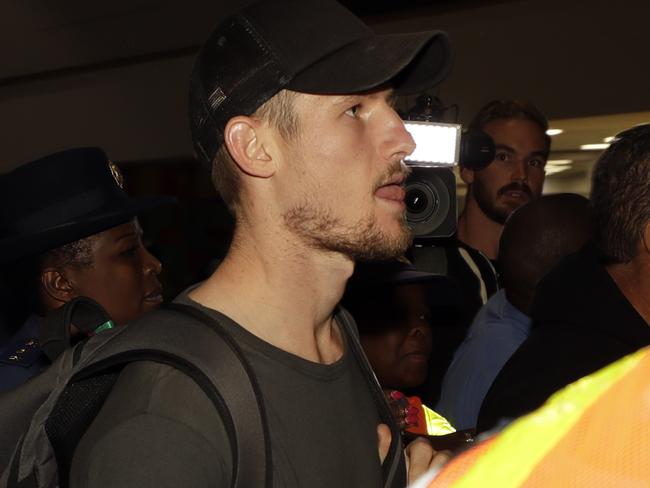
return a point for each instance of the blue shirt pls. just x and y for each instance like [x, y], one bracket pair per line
[495, 334]
[22, 356]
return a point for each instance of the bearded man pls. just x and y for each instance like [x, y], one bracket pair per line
[513, 178]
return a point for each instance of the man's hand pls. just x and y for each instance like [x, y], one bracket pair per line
[421, 457]
[420, 454]
[383, 440]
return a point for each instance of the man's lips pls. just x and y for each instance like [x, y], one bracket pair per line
[392, 189]
[516, 194]
[391, 192]
[517, 190]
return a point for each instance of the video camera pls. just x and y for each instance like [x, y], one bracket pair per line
[431, 208]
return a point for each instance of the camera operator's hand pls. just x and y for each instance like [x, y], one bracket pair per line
[420, 454]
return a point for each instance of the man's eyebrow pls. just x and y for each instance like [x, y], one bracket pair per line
[503, 147]
[346, 99]
[508, 149]
[543, 154]
[391, 98]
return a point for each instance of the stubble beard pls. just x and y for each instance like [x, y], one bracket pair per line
[488, 204]
[364, 241]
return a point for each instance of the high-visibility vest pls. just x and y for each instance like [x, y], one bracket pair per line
[593, 433]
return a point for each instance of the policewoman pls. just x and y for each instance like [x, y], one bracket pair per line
[68, 230]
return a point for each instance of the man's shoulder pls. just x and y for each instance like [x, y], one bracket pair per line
[148, 387]
[155, 417]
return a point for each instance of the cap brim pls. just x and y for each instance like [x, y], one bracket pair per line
[411, 62]
[26, 245]
[441, 290]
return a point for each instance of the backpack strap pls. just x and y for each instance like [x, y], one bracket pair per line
[85, 314]
[182, 337]
[253, 443]
[394, 466]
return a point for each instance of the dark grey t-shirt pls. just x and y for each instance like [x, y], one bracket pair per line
[158, 429]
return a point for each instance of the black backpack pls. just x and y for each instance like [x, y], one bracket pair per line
[44, 419]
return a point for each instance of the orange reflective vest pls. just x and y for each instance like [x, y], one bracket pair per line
[593, 433]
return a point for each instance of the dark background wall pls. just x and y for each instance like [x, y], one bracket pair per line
[115, 74]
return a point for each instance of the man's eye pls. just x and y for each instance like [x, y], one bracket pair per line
[501, 157]
[536, 163]
[353, 111]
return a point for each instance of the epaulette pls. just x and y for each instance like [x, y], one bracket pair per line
[22, 353]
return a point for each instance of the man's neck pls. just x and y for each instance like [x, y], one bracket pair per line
[479, 231]
[281, 291]
[633, 279]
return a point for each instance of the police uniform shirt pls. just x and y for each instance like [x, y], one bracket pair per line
[22, 356]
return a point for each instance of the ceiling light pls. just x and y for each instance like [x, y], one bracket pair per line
[554, 132]
[609, 139]
[594, 147]
[559, 162]
[556, 169]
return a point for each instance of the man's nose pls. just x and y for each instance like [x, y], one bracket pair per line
[520, 171]
[399, 143]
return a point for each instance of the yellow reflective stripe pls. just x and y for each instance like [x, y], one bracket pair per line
[522, 445]
[436, 423]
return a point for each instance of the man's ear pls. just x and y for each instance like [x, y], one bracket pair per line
[467, 175]
[243, 138]
[56, 285]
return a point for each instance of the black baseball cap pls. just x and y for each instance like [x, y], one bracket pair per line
[61, 198]
[309, 46]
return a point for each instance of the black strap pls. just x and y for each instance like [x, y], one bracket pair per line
[84, 313]
[253, 444]
[393, 468]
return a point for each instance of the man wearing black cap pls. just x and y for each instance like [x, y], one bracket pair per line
[290, 107]
[68, 229]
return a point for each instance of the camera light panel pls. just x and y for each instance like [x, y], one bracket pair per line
[437, 144]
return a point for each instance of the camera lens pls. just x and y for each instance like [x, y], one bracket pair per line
[421, 201]
[416, 201]
[430, 202]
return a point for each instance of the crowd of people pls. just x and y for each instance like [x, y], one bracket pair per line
[298, 130]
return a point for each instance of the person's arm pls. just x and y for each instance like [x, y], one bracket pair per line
[157, 428]
[474, 368]
[149, 451]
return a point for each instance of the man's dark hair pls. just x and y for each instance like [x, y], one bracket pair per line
[620, 194]
[22, 279]
[536, 237]
[510, 109]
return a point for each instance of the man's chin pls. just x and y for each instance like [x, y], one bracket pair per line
[385, 247]
[501, 211]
